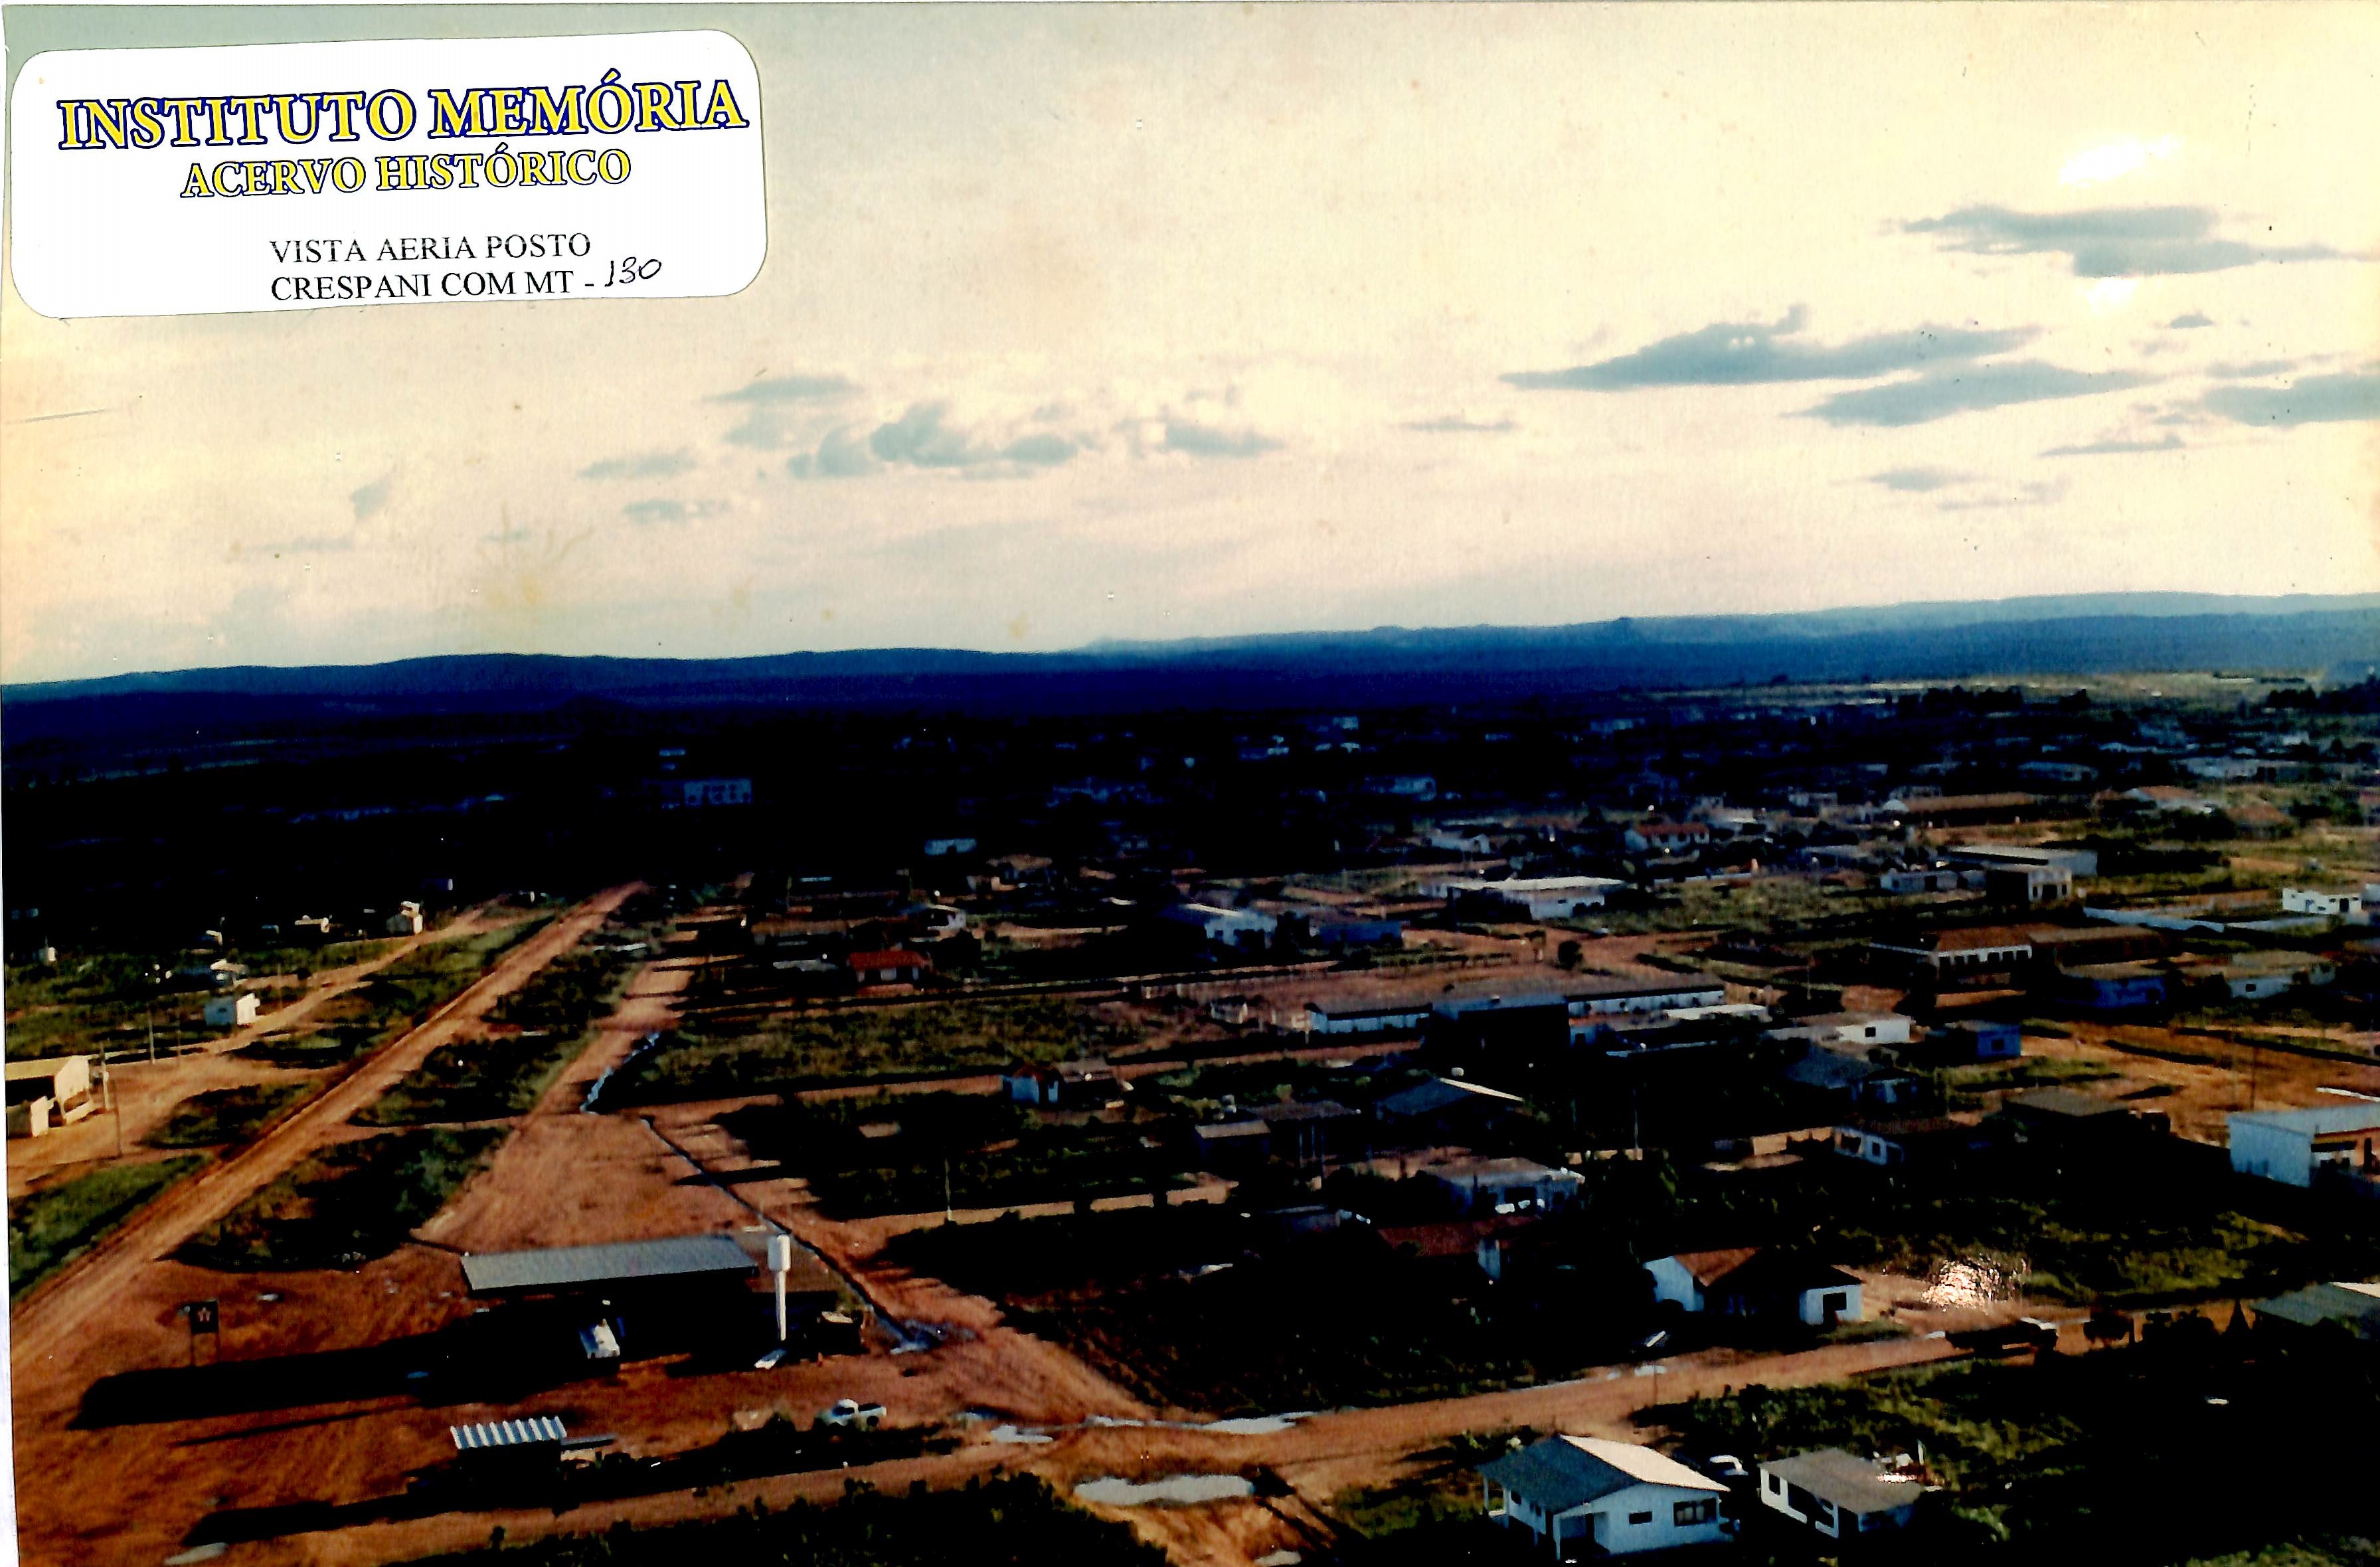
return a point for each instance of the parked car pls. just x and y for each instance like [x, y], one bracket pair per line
[851, 1412]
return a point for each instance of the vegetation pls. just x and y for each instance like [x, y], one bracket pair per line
[481, 1079]
[230, 1115]
[347, 1204]
[913, 1153]
[51, 1226]
[393, 1002]
[110, 1001]
[1197, 1307]
[818, 1049]
[1011, 1521]
[2142, 1454]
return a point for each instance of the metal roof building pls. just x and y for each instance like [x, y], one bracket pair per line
[623, 1262]
[527, 1432]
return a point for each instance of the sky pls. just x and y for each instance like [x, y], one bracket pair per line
[1083, 322]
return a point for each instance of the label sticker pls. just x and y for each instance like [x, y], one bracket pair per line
[294, 176]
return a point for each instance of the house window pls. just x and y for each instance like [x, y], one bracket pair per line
[1640, 1517]
[1698, 1511]
[1775, 1484]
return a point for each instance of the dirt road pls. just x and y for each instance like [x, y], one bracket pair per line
[38, 1325]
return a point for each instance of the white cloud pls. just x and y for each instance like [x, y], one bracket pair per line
[2115, 159]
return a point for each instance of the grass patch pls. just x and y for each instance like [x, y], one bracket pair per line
[345, 1205]
[820, 1049]
[393, 1002]
[49, 1228]
[106, 1002]
[487, 1078]
[890, 1155]
[1013, 1521]
[230, 1115]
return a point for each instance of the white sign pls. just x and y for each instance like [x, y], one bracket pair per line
[293, 177]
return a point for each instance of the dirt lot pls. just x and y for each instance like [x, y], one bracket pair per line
[2198, 1080]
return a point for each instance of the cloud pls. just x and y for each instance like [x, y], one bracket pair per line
[776, 407]
[789, 389]
[2038, 493]
[2312, 399]
[2115, 449]
[1966, 390]
[2115, 159]
[1916, 481]
[1204, 441]
[643, 464]
[925, 437]
[1751, 353]
[842, 454]
[1041, 451]
[369, 500]
[2254, 370]
[673, 511]
[1455, 425]
[2192, 321]
[2109, 241]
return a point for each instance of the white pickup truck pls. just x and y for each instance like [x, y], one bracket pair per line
[852, 1413]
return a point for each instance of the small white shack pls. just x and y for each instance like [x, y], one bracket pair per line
[1839, 1494]
[231, 1012]
[1614, 1498]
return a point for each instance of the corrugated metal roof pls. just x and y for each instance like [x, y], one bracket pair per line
[572, 1267]
[508, 1433]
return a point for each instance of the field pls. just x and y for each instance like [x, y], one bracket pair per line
[348, 1204]
[716, 1059]
[230, 1115]
[2179, 1226]
[391, 1000]
[1197, 1308]
[1010, 1521]
[482, 1079]
[917, 1152]
[108, 1001]
[50, 1228]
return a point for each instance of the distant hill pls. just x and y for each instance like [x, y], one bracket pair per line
[2097, 633]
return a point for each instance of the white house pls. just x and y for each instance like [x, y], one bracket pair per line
[1847, 1029]
[1380, 1017]
[407, 920]
[1839, 1494]
[43, 1094]
[1544, 897]
[1615, 1498]
[1748, 1281]
[2315, 899]
[1225, 927]
[231, 1012]
[1506, 1185]
[2293, 1146]
[1604, 998]
[940, 848]
[1902, 883]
